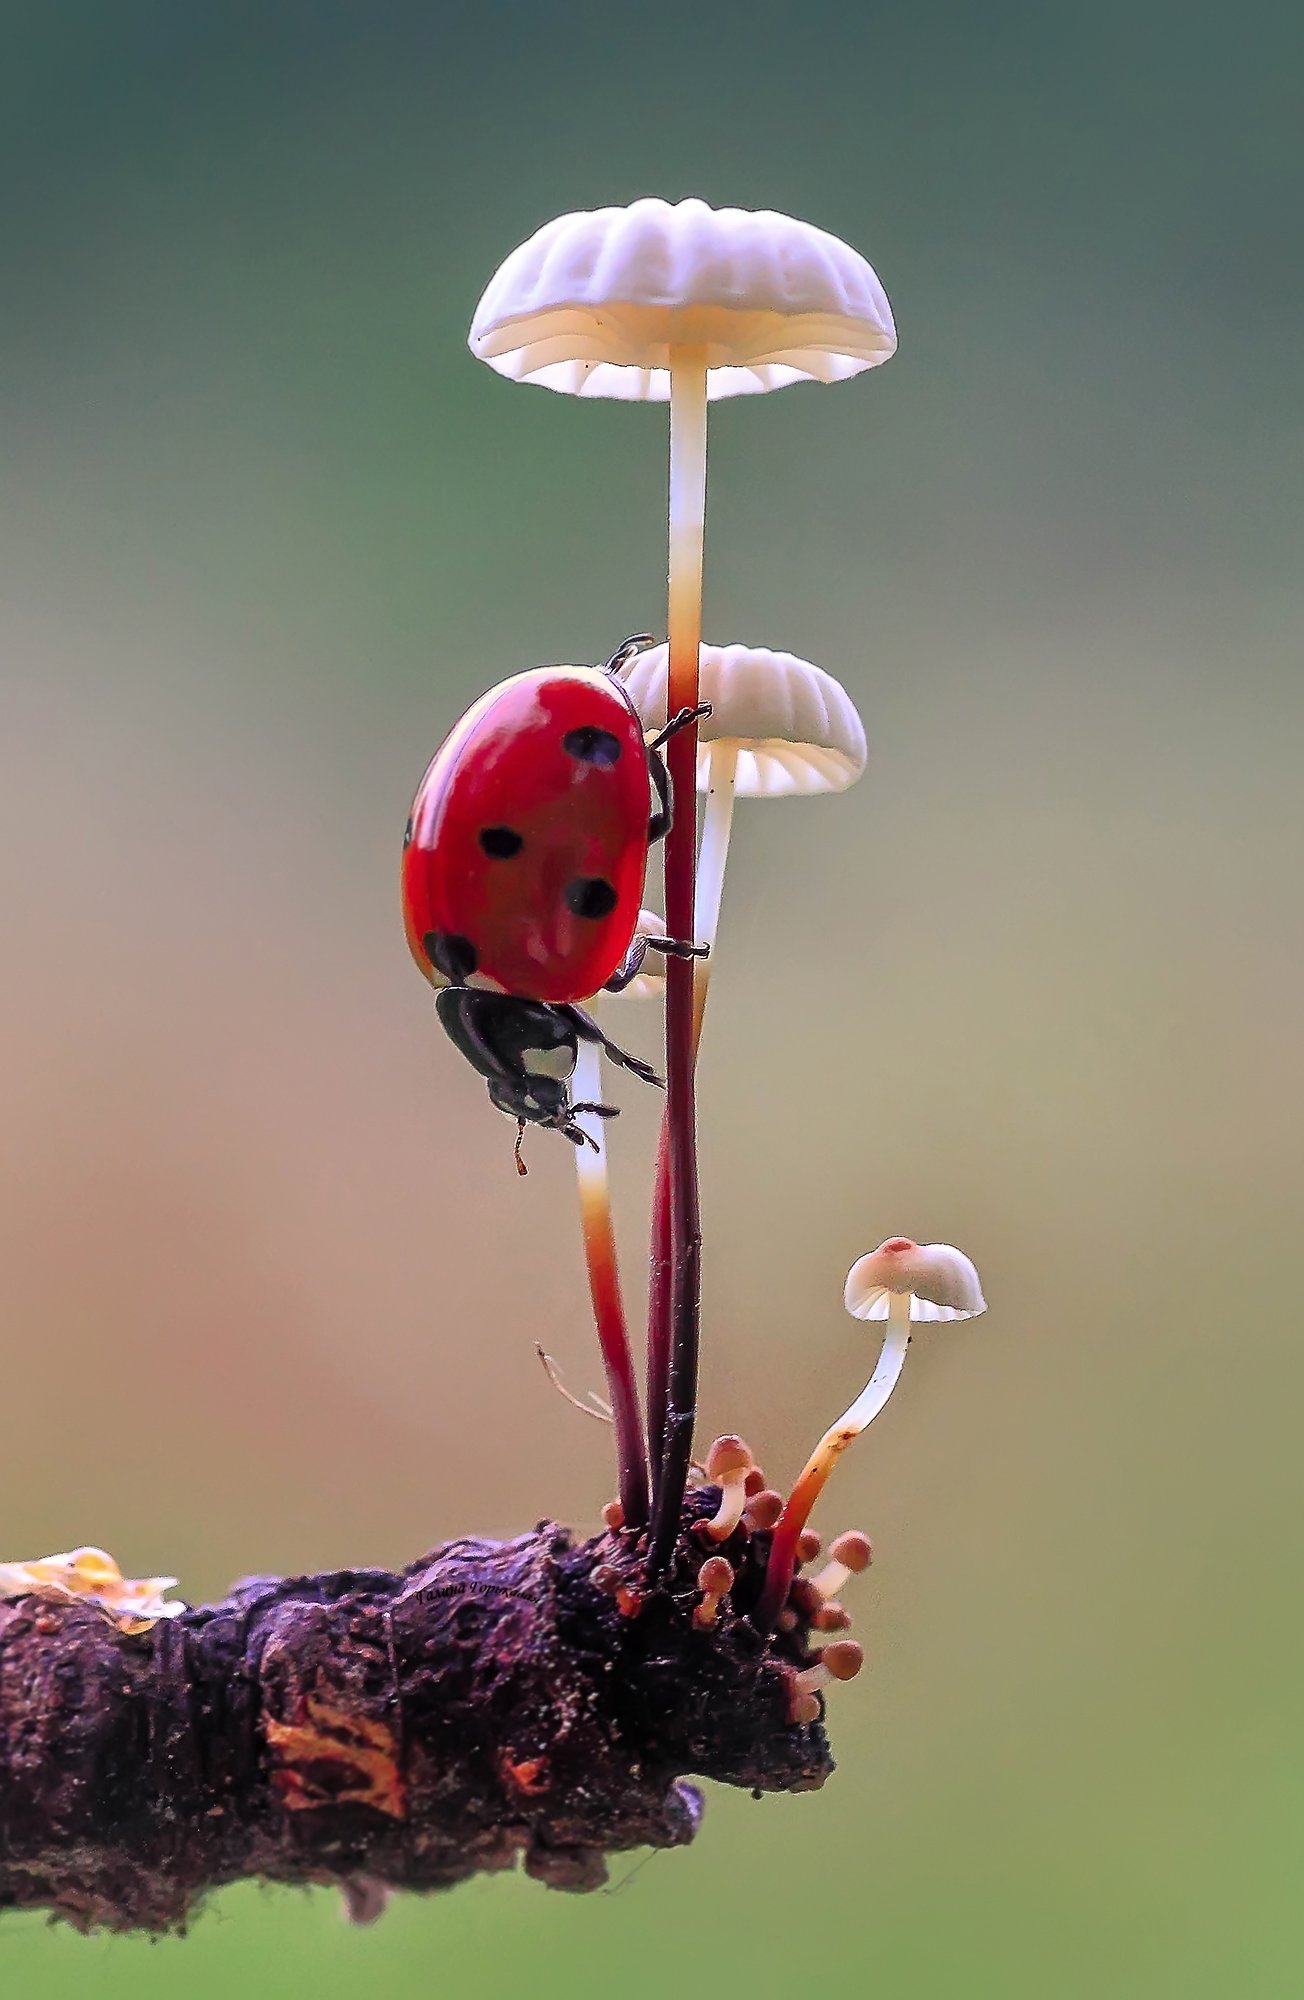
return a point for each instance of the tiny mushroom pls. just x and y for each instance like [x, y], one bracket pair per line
[841, 1660]
[715, 1580]
[727, 1464]
[779, 727]
[904, 1283]
[763, 1509]
[849, 1554]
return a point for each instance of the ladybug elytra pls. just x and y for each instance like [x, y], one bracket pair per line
[523, 870]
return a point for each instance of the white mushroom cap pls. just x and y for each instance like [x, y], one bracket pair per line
[941, 1281]
[794, 727]
[593, 302]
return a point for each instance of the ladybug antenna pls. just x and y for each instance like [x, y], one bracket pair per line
[626, 650]
[521, 1167]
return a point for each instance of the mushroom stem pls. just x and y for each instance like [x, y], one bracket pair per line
[716, 822]
[814, 1474]
[604, 1289]
[658, 1299]
[678, 1344]
[711, 861]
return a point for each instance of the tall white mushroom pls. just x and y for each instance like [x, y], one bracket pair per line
[779, 727]
[683, 302]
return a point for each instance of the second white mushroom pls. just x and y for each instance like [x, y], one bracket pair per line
[779, 727]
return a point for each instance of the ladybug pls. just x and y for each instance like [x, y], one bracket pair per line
[523, 868]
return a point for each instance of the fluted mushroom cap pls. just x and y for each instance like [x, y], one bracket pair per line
[942, 1282]
[794, 727]
[592, 303]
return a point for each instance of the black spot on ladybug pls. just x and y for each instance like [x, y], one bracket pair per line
[590, 896]
[592, 746]
[407, 834]
[456, 957]
[500, 843]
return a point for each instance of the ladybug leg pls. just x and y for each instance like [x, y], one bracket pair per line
[659, 824]
[629, 965]
[564, 1122]
[588, 1030]
[683, 720]
[626, 650]
[677, 947]
[640, 947]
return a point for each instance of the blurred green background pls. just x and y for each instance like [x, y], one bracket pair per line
[269, 1285]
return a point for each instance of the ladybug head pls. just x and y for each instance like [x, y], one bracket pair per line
[542, 1100]
[537, 1100]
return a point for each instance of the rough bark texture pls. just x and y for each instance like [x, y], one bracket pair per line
[363, 1726]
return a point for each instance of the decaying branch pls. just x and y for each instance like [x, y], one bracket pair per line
[494, 1700]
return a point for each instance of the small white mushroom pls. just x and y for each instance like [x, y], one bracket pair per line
[779, 727]
[904, 1283]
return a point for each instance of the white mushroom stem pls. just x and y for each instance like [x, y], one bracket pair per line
[716, 824]
[604, 1288]
[886, 1375]
[814, 1474]
[733, 1499]
[687, 527]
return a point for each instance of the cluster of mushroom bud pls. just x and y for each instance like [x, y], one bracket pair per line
[687, 304]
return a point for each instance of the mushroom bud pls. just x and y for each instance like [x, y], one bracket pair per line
[849, 1554]
[714, 1580]
[727, 1464]
[763, 1509]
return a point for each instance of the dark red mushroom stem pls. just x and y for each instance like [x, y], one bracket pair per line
[658, 1301]
[687, 514]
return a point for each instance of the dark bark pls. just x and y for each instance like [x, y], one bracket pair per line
[415, 1728]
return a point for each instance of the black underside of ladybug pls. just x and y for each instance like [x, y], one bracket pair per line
[527, 1051]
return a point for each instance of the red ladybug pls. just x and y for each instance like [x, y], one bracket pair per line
[523, 868]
